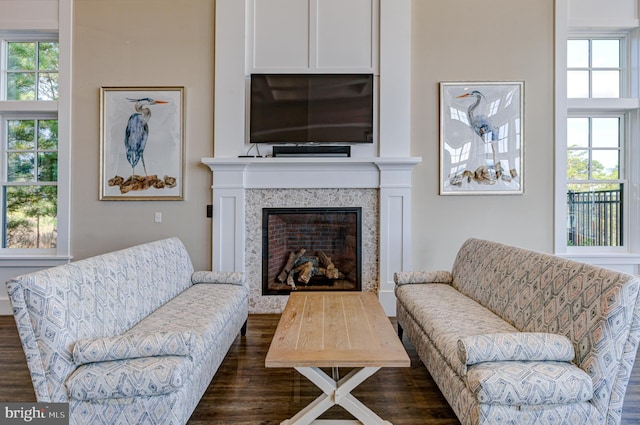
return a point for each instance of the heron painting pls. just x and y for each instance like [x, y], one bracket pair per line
[481, 138]
[137, 131]
[142, 148]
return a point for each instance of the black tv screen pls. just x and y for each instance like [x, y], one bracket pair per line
[311, 108]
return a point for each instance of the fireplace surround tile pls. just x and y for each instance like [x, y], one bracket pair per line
[257, 199]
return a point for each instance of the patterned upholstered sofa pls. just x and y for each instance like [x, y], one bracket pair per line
[128, 337]
[513, 336]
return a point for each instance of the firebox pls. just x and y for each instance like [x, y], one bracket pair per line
[316, 249]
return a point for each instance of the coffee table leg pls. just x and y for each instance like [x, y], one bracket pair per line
[336, 393]
[344, 398]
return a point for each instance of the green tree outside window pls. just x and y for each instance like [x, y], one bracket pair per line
[32, 71]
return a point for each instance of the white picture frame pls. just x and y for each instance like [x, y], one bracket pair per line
[481, 138]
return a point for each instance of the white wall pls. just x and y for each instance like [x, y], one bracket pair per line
[30, 14]
[586, 13]
[467, 40]
[142, 43]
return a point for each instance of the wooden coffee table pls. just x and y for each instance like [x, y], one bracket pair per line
[333, 330]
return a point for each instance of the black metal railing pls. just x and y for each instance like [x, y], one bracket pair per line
[595, 218]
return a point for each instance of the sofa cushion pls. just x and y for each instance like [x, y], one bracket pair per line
[199, 311]
[446, 315]
[514, 346]
[516, 383]
[207, 310]
[132, 345]
[140, 377]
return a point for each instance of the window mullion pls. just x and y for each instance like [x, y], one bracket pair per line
[37, 70]
[590, 69]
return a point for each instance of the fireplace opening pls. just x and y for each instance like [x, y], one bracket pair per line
[316, 249]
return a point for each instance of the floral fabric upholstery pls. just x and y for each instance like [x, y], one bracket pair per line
[143, 290]
[132, 345]
[507, 289]
[514, 346]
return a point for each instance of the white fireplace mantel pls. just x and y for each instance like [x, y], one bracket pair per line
[311, 172]
[233, 177]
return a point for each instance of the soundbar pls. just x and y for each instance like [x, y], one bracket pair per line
[329, 151]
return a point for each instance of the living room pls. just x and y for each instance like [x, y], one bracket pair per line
[147, 43]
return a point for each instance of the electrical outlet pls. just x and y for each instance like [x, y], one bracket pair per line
[157, 217]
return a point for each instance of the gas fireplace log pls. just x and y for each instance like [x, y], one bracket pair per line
[306, 271]
[293, 256]
[325, 261]
[291, 281]
[331, 273]
[300, 268]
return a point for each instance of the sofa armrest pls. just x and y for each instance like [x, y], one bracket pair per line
[232, 278]
[435, 276]
[133, 345]
[140, 377]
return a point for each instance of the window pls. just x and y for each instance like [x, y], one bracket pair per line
[596, 142]
[594, 68]
[594, 185]
[29, 140]
[32, 70]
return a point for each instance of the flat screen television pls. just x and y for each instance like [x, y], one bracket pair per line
[311, 108]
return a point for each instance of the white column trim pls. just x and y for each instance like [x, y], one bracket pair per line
[395, 229]
[560, 224]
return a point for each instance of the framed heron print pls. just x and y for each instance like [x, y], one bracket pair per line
[481, 138]
[141, 143]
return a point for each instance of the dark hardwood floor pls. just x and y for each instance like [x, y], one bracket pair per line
[245, 392]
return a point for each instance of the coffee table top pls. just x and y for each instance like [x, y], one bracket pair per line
[335, 329]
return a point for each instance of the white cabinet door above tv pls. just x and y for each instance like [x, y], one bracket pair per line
[312, 36]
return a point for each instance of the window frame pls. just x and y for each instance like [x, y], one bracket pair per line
[41, 109]
[13, 37]
[37, 72]
[622, 116]
[623, 86]
[622, 179]
[4, 180]
[626, 106]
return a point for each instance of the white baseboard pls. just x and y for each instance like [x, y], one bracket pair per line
[388, 301]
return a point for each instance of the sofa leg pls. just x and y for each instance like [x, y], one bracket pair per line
[400, 332]
[243, 330]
